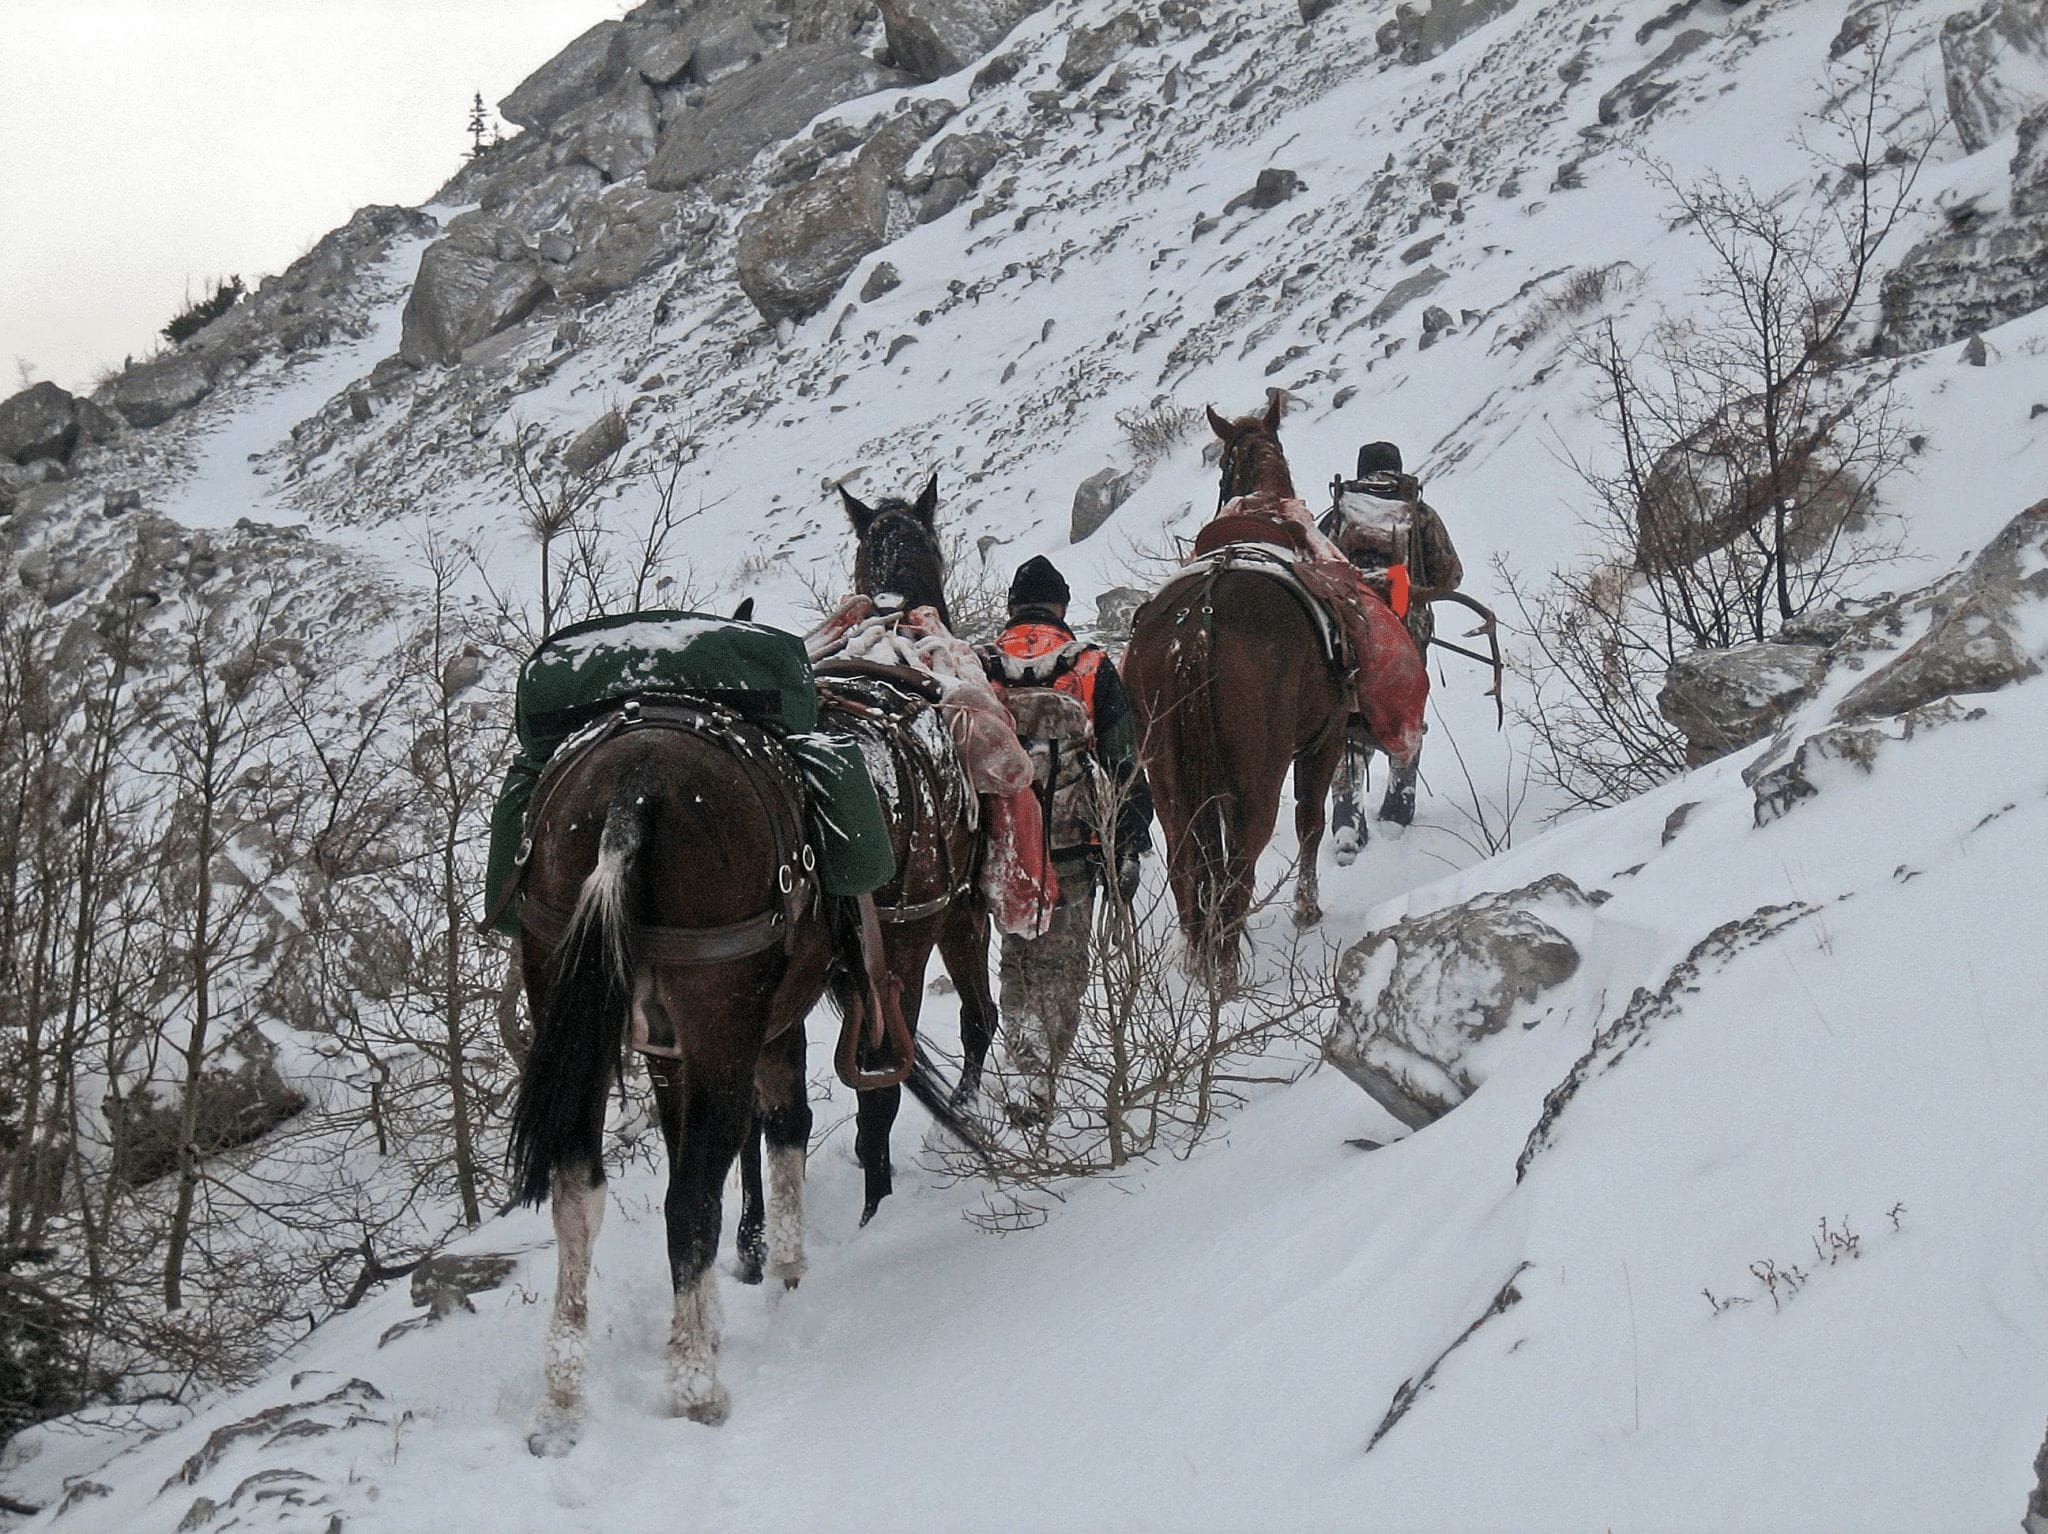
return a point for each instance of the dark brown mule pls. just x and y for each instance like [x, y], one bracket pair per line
[935, 899]
[1230, 688]
[668, 905]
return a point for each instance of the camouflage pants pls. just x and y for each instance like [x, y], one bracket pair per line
[1044, 979]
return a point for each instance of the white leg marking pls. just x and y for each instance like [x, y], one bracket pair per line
[786, 1213]
[693, 1385]
[578, 1211]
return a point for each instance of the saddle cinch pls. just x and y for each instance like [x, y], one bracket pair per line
[751, 688]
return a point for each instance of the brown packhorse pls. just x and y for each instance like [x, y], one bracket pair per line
[1230, 687]
[668, 904]
[934, 822]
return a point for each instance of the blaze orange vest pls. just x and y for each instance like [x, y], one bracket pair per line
[1028, 641]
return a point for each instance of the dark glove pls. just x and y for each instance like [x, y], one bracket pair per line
[1127, 873]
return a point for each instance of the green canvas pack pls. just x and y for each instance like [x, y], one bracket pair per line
[761, 673]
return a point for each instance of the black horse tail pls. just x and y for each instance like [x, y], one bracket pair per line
[580, 1038]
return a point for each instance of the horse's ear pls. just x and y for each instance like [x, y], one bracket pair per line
[744, 613]
[858, 512]
[1220, 426]
[1274, 399]
[928, 502]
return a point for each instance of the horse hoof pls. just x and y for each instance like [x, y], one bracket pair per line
[553, 1434]
[711, 1411]
[790, 1281]
[867, 1212]
[747, 1271]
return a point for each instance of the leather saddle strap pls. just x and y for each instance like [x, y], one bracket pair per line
[546, 924]
[876, 1018]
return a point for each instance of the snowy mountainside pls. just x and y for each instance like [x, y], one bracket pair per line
[1217, 1343]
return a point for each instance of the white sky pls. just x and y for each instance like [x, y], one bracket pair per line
[150, 146]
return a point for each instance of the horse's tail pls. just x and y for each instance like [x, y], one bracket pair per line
[579, 1038]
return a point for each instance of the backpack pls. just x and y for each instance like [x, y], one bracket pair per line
[1055, 729]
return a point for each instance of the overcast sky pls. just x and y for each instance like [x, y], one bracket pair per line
[150, 146]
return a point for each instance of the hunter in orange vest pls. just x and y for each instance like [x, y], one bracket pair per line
[1073, 715]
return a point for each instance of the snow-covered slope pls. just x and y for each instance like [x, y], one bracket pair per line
[1219, 1343]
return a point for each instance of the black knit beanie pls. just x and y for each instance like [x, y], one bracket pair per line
[1038, 584]
[1379, 458]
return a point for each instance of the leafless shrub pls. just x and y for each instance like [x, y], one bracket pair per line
[1746, 449]
[1155, 430]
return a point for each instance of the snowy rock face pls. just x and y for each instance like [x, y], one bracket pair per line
[471, 285]
[1096, 498]
[745, 113]
[151, 394]
[1995, 66]
[934, 38]
[1419, 32]
[575, 75]
[1422, 999]
[1722, 700]
[41, 422]
[805, 241]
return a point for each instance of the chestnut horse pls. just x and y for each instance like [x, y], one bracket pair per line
[656, 907]
[934, 825]
[1230, 688]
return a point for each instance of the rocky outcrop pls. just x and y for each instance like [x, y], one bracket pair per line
[623, 236]
[1781, 782]
[1995, 67]
[443, 1284]
[2030, 165]
[578, 73]
[1955, 285]
[954, 170]
[930, 39]
[1419, 32]
[1406, 291]
[615, 134]
[241, 1098]
[802, 243]
[151, 394]
[534, 207]
[740, 116]
[1421, 999]
[828, 21]
[1273, 187]
[1095, 498]
[1988, 629]
[1723, 700]
[1642, 92]
[1090, 50]
[596, 444]
[471, 285]
[41, 422]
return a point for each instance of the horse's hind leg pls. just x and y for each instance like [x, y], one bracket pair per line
[704, 1115]
[963, 946]
[1347, 813]
[1313, 770]
[783, 1116]
[753, 1241]
[576, 1204]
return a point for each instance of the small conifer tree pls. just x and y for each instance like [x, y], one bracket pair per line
[479, 122]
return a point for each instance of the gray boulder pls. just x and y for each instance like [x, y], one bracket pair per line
[660, 55]
[1419, 32]
[1988, 631]
[241, 1098]
[1419, 1001]
[151, 394]
[445, 1282]
[1642, 92]
[1995, 66]
[2030, 165]
[1955, 285]
[615, 134]
[597, 444]
[803, 242]
[1723, 700]
[41, 422]
[1115, 609]
[533, 207]
[579, 73]
[726, 45]
[1090, 50]
[930, 39]
[828, 21]
[626, 234]
[1407, 291]
[471, 285]
[743, 114]
[1096, 497]
[1273, 187]
[883, 279]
